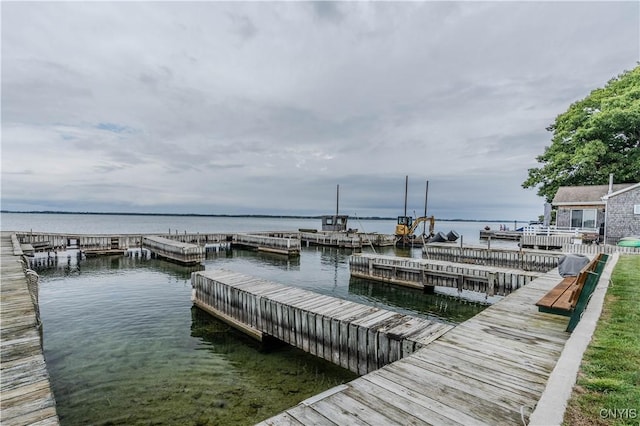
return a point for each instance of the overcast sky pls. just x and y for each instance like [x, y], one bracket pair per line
[264, 107]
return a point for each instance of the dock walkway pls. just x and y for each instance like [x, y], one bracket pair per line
[526, 260]
[348, 240]
[175, 251]
[287, 246]
[358, 337]
[25, 390]
[424, 273]
[490, 370]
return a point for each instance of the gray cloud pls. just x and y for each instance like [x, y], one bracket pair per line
[263, 107]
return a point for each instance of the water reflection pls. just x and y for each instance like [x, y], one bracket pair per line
[332, 259]
[279, 261]
[442, 307]
[71, 263]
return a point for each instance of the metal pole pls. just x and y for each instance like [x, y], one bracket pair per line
[337, 198]
[426, 197]
[406, 189]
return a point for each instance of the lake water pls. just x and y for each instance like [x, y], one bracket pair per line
[125, 346]
[126, 224]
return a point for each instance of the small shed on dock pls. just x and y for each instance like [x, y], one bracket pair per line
[607, 209]
[335, 222]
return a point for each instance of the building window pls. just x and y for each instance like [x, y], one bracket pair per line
[636, 209]
[583, 218]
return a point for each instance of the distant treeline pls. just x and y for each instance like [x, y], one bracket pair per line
[269, 216]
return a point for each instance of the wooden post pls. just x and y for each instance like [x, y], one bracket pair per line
[492, 282]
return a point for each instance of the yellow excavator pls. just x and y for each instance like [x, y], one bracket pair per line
[406, 227]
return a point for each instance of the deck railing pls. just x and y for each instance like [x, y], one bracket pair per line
[557, 230]
[289, 246]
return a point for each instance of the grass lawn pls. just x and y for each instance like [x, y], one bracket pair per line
[607, 391]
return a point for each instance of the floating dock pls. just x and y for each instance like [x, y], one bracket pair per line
[349, 240]
[331, 239]
[548, 242]
[280, 245]
[358, 337]
[25, 391]
[88, 244]
[175, 251]
[527, 260]
[426, 274]
[500, 235]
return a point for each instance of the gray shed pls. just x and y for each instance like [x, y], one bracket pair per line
[608, 209]
[622, 211]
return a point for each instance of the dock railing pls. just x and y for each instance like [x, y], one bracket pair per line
[421, 273]
[335, 239]
[557, 230]
[556, 237]
[288, 246]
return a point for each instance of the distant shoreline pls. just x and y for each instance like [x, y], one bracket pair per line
[241, 216]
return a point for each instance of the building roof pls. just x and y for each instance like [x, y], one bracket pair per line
[588, 194]
[620, 191]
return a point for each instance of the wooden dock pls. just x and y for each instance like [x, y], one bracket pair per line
[548, 242]
[489, 370]
[349, 240]
[331, 239]
[25, 390]
[175, 251]
[423, 273]
[88, 244]
[527, 260]
[280, 245]
[358, 337]
[500, 235]
[107, 244]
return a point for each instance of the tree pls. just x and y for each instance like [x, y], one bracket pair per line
[596, 136]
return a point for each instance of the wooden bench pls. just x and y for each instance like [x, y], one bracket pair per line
[570, 296]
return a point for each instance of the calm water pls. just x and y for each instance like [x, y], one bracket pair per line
[125, 346]
[125, 224]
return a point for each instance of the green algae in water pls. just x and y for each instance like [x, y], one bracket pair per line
[273, 379]
[125, 346]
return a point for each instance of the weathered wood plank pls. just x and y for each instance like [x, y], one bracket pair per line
[421, 395]
[510, 383]
[495, 392]
[512, 369]
[398, 397]
[308, 416]
[310, 321]
[282, 419]
[454, 395]
[25, 390]
[339, 414]
[366, 397]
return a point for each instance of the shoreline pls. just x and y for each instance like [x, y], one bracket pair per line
[258, 216]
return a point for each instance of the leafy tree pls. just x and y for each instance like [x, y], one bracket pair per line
[596, 136]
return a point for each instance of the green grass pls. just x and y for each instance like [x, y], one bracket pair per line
[608, 388]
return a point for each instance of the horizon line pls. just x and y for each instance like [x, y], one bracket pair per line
[238, 215]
